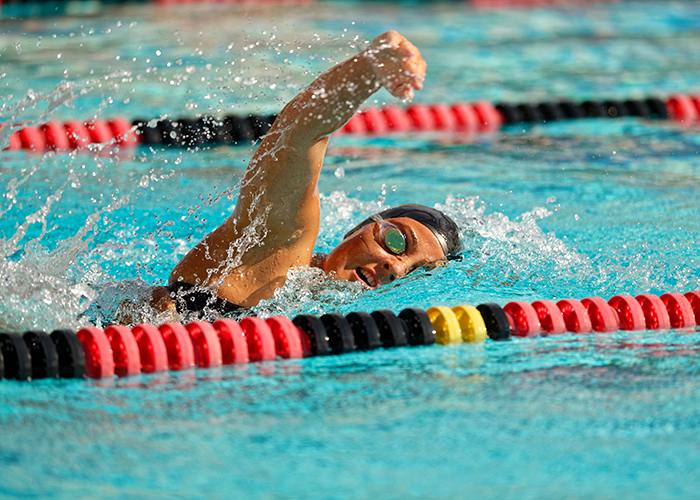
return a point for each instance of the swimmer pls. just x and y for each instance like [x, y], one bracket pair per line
[278, 202]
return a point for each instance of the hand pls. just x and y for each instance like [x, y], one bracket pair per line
[397, 63]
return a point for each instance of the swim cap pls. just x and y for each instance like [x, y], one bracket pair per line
[444, 228]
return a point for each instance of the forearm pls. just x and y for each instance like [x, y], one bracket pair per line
[290, 157]
[331, 100]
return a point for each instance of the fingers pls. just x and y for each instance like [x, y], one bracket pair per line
[414, 67]
[413, 64]
[404, 91]
[399, 64]
[390, 39]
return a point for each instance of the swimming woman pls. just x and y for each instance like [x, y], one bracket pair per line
[275, 223]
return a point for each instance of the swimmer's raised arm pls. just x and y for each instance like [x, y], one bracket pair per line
[278, 200]
[289, 160]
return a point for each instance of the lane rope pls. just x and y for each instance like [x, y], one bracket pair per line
[124, 352]
[474, 117]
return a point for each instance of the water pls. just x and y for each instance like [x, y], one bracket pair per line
[573, 209]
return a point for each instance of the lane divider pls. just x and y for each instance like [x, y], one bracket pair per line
[23, 9]
[463, 117]
[500, 4]
[241, 2]
[37, 8]
[121, 351]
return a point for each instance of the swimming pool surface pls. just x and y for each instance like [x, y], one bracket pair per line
[571, 209]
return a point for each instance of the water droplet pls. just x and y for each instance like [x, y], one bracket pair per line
[18, 47]
[144, 181]
[340, 172]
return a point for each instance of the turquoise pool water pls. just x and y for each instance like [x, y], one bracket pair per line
[572, 209]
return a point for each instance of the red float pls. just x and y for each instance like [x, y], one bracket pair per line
[234, 347]
[550, 316]
[127, 358]
[207, 348]
[123, 132]
[99, 131]
[397, 119]
[15, 143]
[694, 299]
[32, 139]
[489, 118]
[680, 312]
[422, 117]
[356, 125]
[603, 317]
[179, 346]
[525, 322]
[681, 108]
[154, 354]
[261, 344]
[375, 121]
[575, 316]
[288, 342]
[629, 311]
[55, 135]
[655, 313]
[99, 362]
[466, 116]
[696, 102]
[77, 133]
[445, 118]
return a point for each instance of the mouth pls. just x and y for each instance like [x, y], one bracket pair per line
[366, 277]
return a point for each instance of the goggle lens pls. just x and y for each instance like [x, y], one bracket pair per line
[394, 239]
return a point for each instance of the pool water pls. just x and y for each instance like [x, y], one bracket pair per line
[571, 209]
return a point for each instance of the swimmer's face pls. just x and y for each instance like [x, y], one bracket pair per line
[383, 251]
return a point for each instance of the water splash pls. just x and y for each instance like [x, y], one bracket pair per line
[36, 108]
[41, 286]
[311, 291]
[515, 257]
[37, 294]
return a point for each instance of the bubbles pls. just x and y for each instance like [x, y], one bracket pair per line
[339, 173]
[308, 290]
[33, 299]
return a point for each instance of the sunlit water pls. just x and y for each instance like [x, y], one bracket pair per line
[560, 210]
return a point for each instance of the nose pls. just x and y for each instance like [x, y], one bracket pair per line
[391, 269]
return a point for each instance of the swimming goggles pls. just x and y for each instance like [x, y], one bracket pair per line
[393, 237]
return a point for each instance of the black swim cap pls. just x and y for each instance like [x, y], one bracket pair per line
[444, 228]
